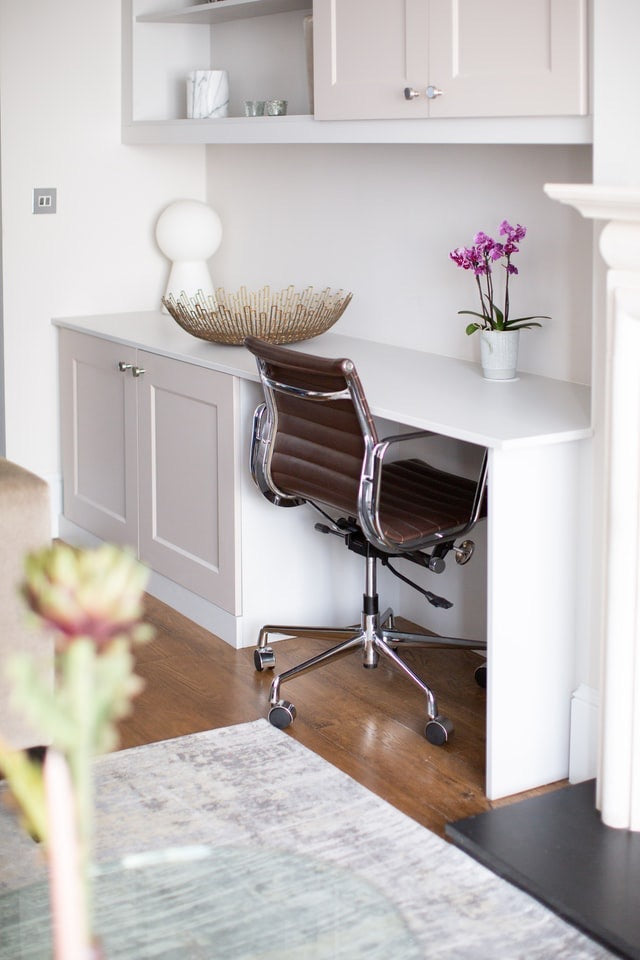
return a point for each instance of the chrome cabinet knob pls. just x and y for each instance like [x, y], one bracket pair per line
[122, 366]
[138, 371]
[433, 92]
[410, 93]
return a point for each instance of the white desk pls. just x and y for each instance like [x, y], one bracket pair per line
[537, 431]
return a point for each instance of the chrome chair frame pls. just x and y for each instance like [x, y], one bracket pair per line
[376, 634]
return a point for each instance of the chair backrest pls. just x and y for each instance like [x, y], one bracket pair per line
[318, 426]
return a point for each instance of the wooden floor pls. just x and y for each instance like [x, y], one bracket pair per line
[369, 723]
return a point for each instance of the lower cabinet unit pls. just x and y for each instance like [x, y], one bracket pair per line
[156, 430]
[149, 450]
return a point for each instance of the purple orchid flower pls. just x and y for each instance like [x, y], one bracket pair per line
[480, 258]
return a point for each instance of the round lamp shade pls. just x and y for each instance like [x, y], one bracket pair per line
[189, 232]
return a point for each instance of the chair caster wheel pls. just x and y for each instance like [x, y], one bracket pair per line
[264, 659]
[438, 731]
[282, 714]
[480, 674]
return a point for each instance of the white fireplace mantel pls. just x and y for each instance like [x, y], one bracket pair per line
[597, 202]
[619, 767]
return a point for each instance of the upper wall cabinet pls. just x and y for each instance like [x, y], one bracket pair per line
[449, 58]
[475, 71]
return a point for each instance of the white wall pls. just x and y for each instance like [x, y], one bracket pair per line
[380, 220]
[60, 110]
[616, 81]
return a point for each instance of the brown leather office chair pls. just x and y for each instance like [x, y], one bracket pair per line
[314, 441]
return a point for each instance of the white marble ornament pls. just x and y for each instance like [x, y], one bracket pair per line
[207, 94]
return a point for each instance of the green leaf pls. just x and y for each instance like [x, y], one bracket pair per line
[518, 325]
[472, 327]
[24, 777]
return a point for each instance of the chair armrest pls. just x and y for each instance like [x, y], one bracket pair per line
[372, 467]
[397, 437]
[259, 459]
[379, 449]
[371, 484]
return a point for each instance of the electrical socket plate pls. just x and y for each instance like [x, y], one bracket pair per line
[44, 199]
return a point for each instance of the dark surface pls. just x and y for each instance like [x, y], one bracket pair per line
[556, 848]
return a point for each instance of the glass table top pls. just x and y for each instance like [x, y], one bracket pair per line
[221, 903]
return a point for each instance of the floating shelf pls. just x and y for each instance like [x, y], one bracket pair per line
[224, 10]
[304, 129]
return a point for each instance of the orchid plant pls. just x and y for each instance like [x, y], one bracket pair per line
[485, 254]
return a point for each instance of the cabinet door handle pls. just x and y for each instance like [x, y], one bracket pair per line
[138, 371]
[410, 93]
[122, 366]
[433, 92]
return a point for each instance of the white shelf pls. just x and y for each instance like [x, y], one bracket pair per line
[224, 10]
[305, 129]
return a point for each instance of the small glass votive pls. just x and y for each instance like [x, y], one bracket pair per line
[275, 108]
[254, 108]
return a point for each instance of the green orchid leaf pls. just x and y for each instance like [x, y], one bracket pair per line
[517, 325]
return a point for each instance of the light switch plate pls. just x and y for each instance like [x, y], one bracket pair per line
[45, 200]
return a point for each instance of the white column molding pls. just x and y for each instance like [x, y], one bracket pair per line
[619, 767]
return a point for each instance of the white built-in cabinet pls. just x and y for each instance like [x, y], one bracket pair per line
[148, 458]
[449, 58]
[151, 458]
[512, 71]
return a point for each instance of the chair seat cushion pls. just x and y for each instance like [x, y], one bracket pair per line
[418, 500]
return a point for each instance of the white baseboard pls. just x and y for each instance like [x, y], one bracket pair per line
[585, 717]
[202, 612]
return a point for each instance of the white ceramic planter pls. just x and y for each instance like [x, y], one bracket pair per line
[499, 353]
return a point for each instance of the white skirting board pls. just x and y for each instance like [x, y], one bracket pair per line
[585, 718]
[201, 611]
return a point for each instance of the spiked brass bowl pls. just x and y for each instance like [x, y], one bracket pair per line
[287, 316]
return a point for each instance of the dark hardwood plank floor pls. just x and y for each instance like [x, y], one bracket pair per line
[369, 723]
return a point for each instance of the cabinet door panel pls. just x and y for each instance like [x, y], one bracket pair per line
[365, 53]
[508, 57]
[187, 467]
[98, 436]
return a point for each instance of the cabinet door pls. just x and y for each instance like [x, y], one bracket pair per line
[495, 58]
[501, 58]
[365, 53]
[187, 467]
[98, 437]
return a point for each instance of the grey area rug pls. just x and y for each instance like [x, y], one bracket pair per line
[251, 786]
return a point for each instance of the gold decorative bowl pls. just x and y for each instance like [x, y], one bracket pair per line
[287, 316]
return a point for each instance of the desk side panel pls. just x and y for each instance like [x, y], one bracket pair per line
[538, 563]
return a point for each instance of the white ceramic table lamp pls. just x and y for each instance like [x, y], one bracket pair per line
[189, 232]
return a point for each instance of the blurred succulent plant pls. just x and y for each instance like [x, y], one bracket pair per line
[92, 602]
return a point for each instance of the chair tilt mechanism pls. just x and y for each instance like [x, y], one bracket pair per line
[314, 441]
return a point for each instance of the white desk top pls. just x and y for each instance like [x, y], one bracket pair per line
[422, 390]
